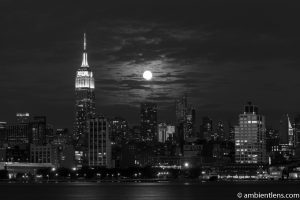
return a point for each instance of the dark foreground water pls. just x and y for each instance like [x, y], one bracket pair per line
[139, 191]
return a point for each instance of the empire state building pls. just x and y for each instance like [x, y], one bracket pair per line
[85, 98]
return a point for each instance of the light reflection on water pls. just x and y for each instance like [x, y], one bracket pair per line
[132, 191]
[135, 191]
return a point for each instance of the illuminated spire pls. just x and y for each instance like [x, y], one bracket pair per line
[84, 58]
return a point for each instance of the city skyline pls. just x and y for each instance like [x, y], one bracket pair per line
[152, 99]
[221, 61]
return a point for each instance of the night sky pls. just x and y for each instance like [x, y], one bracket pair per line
[221, 54]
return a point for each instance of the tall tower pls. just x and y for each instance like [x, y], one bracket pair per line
[85, 99]
[148, 118]
[287, 137]
[250, 137]
[185, 118]
[286, 131]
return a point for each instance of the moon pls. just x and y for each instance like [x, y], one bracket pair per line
[147, 75]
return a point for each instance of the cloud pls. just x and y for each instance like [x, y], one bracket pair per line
[220, 55]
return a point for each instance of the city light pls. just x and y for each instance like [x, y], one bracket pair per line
[173, 130]
[186, 164]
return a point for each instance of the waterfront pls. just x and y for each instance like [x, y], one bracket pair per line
[140, 191]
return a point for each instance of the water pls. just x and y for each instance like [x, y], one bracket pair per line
[139, 191]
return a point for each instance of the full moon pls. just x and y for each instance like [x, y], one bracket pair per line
[147, 75]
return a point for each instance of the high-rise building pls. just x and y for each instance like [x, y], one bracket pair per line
[297, 130]
[287, 138]
[162, 132]
[165, 132]
[61, 137]
[23, 117]
[18, 134]
[99, 144]
[148, 116]
[190, 122]
[206, 128]
[18, 153]
[250, 137]
[219, 134]
[49, 133]
[286, 131]
[43, 154]
[181, 109]
[230, 135]
[26, 132]
[170, 132]
[85, 99]
[39, 130]
[65, 151]
[185, 119]
[119, 129]
[3, 136]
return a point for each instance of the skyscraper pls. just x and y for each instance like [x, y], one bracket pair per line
[119, 129]
[99, 145]
[185, 118]
[165, 132]
[39, 130]
[219, 134]
[3, 136]
[17, 134]
[85, 98]
[297, 130]
[181, 109]
[250, 137]
[148, 121]
[206, 128]
[162, 132]
[231, 132]
[287, 139]
[286, 132]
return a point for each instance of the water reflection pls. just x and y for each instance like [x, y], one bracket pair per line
[134, 191]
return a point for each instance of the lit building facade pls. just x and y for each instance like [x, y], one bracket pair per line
[148, 116]
[297, 131]
[162, 132]
[61, 137]
[170, 132]
[190, 122]
[3, 136]
[18, 134]
[219, 133]
[23, 117]
[118, 129]
[286, 132]
[250, 137]
[287, 138]
[65, 151]
[165, 132]
[99, 144]
[43, 154]
[85, 99]
[39, 130]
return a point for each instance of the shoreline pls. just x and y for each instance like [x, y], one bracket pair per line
[152, 181]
